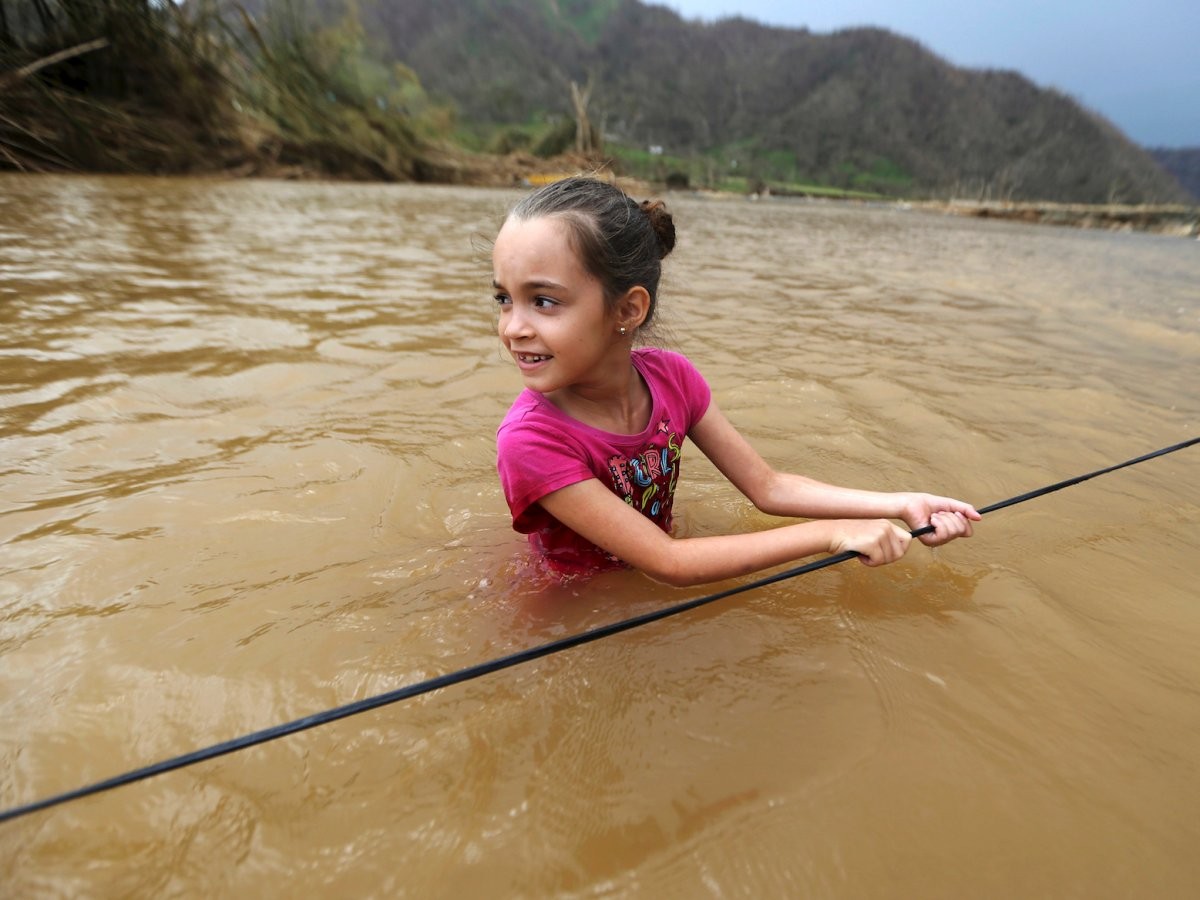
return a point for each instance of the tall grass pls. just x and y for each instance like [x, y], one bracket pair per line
[180, 88]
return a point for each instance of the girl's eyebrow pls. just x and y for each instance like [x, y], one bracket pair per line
[536, 284]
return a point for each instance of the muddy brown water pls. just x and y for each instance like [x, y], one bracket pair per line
[247, 475]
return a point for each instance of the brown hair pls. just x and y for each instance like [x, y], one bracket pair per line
[620, 242]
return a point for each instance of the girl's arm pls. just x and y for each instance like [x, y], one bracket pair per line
[783, 494]
[593, 511]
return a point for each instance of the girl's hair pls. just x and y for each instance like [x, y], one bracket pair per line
[620, 242]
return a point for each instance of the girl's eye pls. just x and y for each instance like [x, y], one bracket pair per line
[544, 302]
[502, 299]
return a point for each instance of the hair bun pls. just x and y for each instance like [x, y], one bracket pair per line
[662, 223]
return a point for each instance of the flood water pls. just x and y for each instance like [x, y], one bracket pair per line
[247, 474]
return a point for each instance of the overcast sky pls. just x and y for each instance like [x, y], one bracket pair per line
[1135, 62]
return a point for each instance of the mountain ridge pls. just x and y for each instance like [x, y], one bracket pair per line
[856, 108]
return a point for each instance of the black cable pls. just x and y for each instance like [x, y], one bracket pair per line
[513, 659]
[1050, 489]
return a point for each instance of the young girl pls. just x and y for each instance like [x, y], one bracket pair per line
[589, 453]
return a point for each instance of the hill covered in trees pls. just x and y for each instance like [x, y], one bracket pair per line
[861, 108]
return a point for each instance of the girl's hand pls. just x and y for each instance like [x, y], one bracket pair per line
[876, 541]
[950, 518]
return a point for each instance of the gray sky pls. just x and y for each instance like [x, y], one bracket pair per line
[1136, 63]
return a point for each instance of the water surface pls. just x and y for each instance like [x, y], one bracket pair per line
[247, 474]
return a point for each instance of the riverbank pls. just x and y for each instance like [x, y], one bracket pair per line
[519, 169]
[1175, 219]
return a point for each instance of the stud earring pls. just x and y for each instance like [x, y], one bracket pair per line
[622, 329]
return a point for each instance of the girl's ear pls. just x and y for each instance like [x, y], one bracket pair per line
[633, 308]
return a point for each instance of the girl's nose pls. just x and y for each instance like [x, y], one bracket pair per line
[514, 323]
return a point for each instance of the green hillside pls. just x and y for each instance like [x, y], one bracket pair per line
[860, 108]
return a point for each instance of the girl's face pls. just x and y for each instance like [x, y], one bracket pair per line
[553, 319]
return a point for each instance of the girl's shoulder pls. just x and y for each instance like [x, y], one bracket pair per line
[529, 405]
[649, 358]
[673, 379]
[534, 418]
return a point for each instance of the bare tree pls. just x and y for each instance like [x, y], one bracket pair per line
[586, 139]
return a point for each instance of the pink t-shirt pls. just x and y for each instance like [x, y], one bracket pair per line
[541, 449]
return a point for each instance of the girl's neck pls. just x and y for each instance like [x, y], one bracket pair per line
[618, 402]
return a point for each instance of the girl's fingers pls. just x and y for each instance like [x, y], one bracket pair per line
[876, 542]
[950, 525]
[889, 547]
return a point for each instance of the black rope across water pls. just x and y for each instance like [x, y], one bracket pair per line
[513, 659]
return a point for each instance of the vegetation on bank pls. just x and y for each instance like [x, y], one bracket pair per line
[108, 86]
[149, 86]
